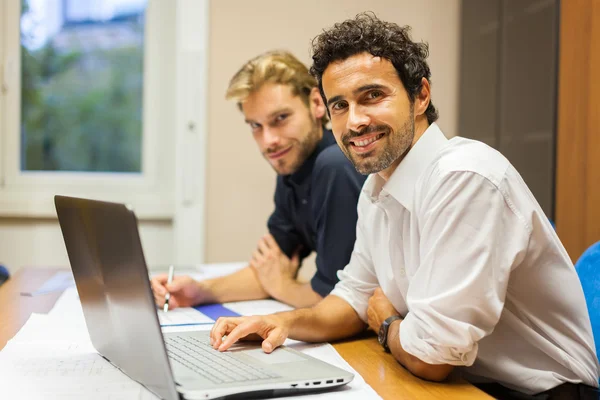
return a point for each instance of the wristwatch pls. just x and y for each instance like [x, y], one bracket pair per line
[383, 331]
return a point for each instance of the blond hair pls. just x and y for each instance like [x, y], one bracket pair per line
[280, 67]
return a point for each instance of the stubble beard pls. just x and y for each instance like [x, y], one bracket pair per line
[398, 142]
[304, 149]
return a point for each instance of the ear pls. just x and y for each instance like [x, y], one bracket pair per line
[423, 98]
[316, 103]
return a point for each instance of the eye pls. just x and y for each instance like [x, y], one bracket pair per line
[281, 117]
[340, 105]
[254, 126]
[374, 94]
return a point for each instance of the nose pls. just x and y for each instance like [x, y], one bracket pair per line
[357, 118]
[270, 137]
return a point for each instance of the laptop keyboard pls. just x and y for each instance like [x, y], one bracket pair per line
[200, 357]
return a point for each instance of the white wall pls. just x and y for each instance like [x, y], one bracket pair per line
[239, 182]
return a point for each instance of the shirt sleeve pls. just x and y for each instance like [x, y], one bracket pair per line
[471, 238]
[281, 226]
[335, 190]
[358, 280]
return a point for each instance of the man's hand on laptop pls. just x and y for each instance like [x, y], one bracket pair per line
[275, 271]
[271, 328]
[185, 291]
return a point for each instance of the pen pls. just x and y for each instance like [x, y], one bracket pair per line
[168, 295]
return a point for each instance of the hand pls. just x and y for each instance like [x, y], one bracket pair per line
[380, 308]
[185, 291]
[271, 328]
[274, 270]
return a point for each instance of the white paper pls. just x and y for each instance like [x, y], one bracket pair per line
[40, 372]
[257, 307]
[182, 317]
[41, 328]
[38, 363]
[68, 307]
[185, 328]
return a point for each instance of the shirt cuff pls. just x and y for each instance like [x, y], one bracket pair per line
[352, 296]
[421, 344]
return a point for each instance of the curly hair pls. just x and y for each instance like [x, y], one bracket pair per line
[367, 33]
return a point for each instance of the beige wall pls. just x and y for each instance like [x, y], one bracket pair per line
[240, 183]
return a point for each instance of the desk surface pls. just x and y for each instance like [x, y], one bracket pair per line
[379, 369]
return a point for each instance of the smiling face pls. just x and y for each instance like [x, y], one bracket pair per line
[372, 117]
[286, 129]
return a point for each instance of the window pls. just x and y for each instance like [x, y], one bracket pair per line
[85, 109]
[82, 82]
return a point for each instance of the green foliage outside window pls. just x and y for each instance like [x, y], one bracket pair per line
[81, 104]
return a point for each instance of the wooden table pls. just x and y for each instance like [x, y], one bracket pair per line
[364, 354]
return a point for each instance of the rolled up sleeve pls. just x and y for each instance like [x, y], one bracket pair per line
[471, 237]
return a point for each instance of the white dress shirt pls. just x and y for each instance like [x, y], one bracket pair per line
[464, 252]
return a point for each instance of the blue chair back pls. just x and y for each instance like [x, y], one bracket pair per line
[588, 269]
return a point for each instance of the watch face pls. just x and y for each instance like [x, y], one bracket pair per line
[381, 336]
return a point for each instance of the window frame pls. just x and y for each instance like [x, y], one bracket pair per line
[151, 193]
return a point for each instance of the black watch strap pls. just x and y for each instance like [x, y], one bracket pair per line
[384, 329]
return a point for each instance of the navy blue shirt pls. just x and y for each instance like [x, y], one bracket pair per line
[315, 210]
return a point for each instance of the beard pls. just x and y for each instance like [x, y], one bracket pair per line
[398, 141]
[303, 148]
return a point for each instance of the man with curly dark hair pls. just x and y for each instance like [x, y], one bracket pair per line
[455, 263]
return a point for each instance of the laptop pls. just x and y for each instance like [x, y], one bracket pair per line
[110, 272]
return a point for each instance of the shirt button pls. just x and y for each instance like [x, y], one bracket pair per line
[304, 201]
[402, 272]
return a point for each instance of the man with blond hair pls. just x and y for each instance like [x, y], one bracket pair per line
[315, 198]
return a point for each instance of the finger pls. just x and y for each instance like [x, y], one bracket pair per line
[158, 287]
[258, 258]
[158, 299]
[274, 340]
[296, 259]
[179, 283]
[263, 248]
[371, 321]
[242, 330]
[173, 303]
[221, 328]
[378, 291]
[371, 302]
[270, 241]
[162, 278]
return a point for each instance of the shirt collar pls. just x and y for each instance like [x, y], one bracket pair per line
[401, 184]
[306, 168]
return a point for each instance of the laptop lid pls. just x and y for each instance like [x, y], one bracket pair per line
[110, 272]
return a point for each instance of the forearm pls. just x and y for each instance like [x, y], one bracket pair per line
[331, 319]
[298, 295]
[241, 285]
[432, 372]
